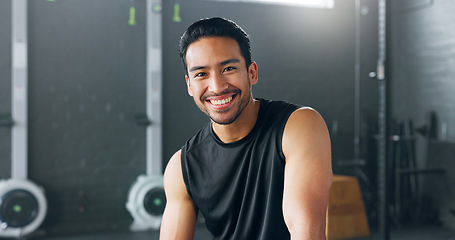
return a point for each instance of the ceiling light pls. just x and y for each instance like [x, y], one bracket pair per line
[298, 3]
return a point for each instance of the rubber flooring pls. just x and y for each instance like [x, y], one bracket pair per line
[410, 233]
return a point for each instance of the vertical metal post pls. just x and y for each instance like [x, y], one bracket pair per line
[19, 85]
[357, 83]
[382, 121]
[154, 88]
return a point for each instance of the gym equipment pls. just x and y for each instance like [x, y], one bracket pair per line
[405, 174]
[346, 216]
[146, 202]
[430, 130]
[23, 205]
[382, 123]
[146, 198]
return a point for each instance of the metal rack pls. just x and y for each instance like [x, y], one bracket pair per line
[382, 122]
[146, 198]
[23, 205]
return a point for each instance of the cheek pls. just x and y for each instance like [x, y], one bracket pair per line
[195, 90]
[193, 87]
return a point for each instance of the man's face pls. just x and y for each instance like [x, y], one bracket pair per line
[218, 79]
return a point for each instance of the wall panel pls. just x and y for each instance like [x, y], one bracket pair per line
[87, 83]
[5, 87]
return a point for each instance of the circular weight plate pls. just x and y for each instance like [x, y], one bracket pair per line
[18, 208]
[23, 207]
[154, 201]
[146, 202]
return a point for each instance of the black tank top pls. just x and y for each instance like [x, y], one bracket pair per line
[238, 187]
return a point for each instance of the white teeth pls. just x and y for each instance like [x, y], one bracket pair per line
[220, 102]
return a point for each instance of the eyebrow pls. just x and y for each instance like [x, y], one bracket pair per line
[231, 60]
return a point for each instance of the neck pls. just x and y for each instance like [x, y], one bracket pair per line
[241, 126]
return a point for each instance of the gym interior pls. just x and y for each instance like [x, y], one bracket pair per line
[93, 103]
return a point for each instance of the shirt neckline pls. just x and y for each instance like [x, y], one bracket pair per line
[249, 135]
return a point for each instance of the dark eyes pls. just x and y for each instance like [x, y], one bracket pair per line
[229, 69]
[201, 74]
[204, 74]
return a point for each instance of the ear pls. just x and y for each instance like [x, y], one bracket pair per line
[188, 85]
[253, 73]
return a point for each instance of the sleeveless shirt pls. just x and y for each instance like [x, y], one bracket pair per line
[238, 186]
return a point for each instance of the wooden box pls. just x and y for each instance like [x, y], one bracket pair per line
[346, 216]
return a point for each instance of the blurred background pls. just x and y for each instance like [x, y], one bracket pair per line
[87, 86]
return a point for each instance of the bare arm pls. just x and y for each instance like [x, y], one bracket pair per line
[179, 217]
[308, 174]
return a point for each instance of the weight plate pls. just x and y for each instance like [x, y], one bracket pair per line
[155, 201]
[18, 208]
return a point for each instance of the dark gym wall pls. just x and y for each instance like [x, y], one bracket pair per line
[305, 56]
[422, 60]
[86, 84]
[422, 55]
[5, 87]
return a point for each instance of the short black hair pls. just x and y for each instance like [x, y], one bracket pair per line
[215, 27]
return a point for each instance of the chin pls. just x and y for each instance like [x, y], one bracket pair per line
[224, 121]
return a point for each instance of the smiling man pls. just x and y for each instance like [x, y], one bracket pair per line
[259, 169]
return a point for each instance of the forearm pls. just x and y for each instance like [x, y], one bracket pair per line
[305, 205]
[308, 232]
[305, 211]
[177, 225]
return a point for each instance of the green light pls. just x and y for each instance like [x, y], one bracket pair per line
[17, 208]
[132, 20]
[157, 201]
[177, 17]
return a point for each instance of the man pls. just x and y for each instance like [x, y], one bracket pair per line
[260, 169]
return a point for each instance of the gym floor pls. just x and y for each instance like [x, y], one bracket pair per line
[414, 233]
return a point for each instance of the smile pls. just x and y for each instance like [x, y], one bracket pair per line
[221, 101]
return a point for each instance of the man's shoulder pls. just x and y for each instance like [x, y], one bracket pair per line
[273, 110]
[278, 104]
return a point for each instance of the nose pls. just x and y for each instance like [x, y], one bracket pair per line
[217, 83]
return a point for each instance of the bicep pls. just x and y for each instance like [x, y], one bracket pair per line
[179, 217]
[308, 170]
